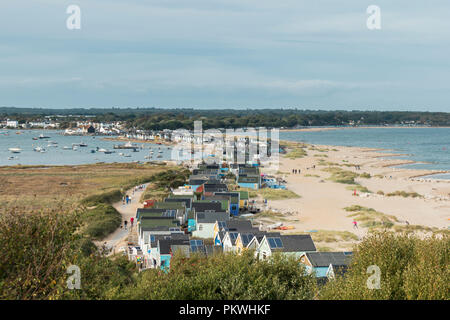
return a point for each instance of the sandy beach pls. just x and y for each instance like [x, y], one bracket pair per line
[322, 202]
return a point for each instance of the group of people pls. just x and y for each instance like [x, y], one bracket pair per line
[295, 171]
[126, 199]
[125, 223]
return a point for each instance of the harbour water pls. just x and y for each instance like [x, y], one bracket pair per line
[66, 150]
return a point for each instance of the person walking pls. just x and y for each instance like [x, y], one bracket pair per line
[355, 224]
[131, 221]
[125, 223]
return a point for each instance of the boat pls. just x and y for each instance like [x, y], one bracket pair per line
[159, 156]
[13, 158]
[127, 145]
[67, 148]
[74, 148]
[82, 144]
[35, 138]
[39, 149]
[92, 151]
[15, 150]
[41, 136]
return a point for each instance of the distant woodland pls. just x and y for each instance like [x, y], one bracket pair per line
[158, 119]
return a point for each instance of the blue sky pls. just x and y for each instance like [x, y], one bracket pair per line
[226, 54]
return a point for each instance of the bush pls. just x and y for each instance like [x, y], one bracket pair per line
[106, 197]
[411, 268]
[101, 221]
[224, 276]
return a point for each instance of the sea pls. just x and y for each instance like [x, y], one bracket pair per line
[429, 148]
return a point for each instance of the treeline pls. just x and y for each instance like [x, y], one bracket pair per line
[158, 119]
[38, 249]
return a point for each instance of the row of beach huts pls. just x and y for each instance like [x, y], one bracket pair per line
[205, 216]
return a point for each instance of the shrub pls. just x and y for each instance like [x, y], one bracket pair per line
[411, 268]
[224, 276]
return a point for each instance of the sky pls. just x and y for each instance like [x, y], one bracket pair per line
[226, 54]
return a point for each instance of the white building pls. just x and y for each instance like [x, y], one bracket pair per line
[12, 123]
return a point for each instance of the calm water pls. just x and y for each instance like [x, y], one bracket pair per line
[429, 146]
[59, 156]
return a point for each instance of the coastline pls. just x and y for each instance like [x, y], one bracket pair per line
[317, 129]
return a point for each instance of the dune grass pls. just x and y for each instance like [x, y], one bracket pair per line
[296, 153]
[341, 176]
[330, 236]
[370, 218]
[404, 194]
[359, 188]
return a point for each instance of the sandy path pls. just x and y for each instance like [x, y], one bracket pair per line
[127, 211]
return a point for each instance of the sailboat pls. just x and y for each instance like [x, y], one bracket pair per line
[15, 150]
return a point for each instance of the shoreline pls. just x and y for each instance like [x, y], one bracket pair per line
[316, 129]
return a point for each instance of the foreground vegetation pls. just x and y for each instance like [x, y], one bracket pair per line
[89, 189]
[38, 249]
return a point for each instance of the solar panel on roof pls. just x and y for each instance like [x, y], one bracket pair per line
[246, 238]
[278, 242]
[233, 235]
[275, 243]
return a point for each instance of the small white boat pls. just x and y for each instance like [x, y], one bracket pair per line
[41, 136]
[67, 148]
[39, 149]
[15, 150]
